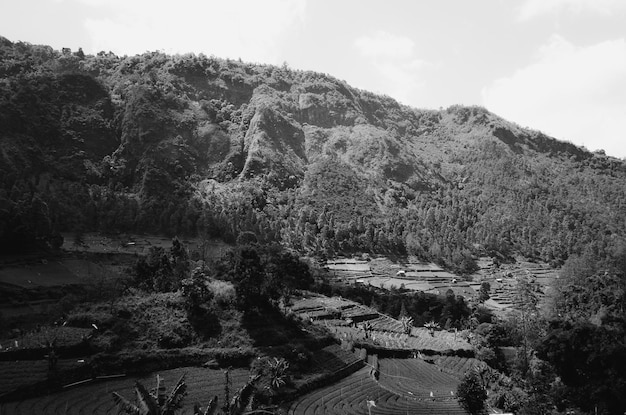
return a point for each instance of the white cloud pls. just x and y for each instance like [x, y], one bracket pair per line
[570, 92]
[250, 29]
[394, 61]
[385, 45]
[534, 8]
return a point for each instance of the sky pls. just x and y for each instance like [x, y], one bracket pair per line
[558, 66]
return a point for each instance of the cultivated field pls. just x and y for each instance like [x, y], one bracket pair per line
[95, 397]
[64, 336]
[416, 378]
[139, 244]
[348, 320]
[503, 281]
[351, 395]
[457, 366]
[408, 273]
[48, 274]
[23, 373]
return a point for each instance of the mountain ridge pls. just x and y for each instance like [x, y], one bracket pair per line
[141, 143]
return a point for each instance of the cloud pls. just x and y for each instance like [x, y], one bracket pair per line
[385, 45]
[570, 92]
[533, 8]
[250, 29]
[396, 65]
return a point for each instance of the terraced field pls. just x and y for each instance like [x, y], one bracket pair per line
[416, 378]
[332, 358]
[22, 373]
[64, 336]
[385, 273]
[95, 398]
[351, 396]
[383, 330]
[503, 281]
[457, 366]
[419, 339]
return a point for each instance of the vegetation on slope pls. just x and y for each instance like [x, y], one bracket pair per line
[198, 145]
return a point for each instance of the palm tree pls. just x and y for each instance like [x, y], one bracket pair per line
[155, 402]
[432, 326]
[277, 370]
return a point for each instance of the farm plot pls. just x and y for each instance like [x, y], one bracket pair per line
[64, 336]
[351, 396]
[27, 372]
[382, 330]
[416, 378]
[319, 307]
[458, 366]
[419, 340]
[332, 358]
[391, 282]
[46, 275]
[348, 265]
[95, 398]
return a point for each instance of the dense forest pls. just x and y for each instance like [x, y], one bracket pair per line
[267, 156]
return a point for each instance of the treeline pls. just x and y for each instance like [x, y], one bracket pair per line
[569, 351]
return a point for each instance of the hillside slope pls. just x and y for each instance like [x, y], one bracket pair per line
[200, 145]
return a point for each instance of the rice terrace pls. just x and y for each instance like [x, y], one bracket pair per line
[347, 358]
[187, 234]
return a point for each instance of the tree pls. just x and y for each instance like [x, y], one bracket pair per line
[526, 300]
[407, 324]
[472, 394]
[483, 293]
[196, 291]
[154, 272]
[590, 360]
[248, 275]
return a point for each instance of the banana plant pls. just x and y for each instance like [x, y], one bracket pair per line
[432, 326]
[156, 402]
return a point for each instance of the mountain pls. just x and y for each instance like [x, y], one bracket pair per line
[199, 145]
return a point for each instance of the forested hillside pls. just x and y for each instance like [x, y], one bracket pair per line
[197, 145]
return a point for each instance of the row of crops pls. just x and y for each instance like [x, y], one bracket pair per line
[95, 397]
[360, 393]
[416, 378]
[350, 321]
[457, 366]
[61, 336]
[17, 373]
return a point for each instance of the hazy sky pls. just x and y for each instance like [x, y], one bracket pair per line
[558, 66]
